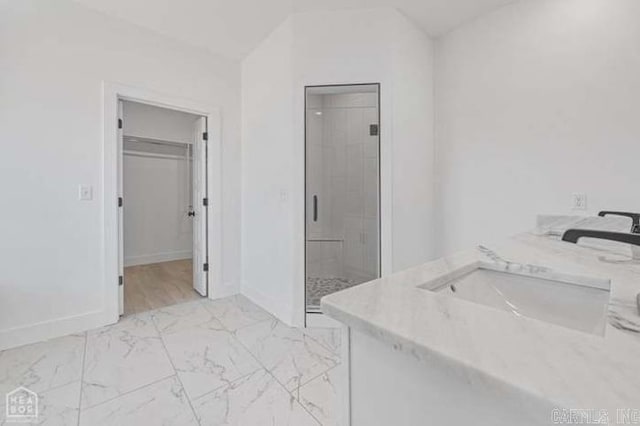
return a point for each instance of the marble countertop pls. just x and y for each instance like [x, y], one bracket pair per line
[565, 367]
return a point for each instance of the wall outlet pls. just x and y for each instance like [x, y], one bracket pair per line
[85, 192]
[579, 201]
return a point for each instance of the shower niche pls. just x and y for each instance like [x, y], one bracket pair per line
[342, 189]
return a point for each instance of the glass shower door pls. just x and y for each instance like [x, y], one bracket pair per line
[342, 189]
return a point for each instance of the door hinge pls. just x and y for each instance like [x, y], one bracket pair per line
[119, 123]
[205, 267]
[205, 136]
[120, 201]
[373, 130]
[120, 280]
[205, 202]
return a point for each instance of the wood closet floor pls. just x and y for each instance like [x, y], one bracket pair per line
[157, 285]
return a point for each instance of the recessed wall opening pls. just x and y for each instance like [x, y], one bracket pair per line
[342, 189]
[162, 216]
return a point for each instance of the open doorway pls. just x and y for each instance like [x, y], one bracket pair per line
[163, 255]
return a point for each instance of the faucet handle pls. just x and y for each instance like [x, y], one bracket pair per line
[574, 234]
[635, 217]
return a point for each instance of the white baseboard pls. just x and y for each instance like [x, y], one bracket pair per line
[225, 290]
[46, 330]
[322, 321]
[59, 327]
[157, 258]
[274, 306]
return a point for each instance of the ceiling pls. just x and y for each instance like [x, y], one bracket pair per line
[234, 27]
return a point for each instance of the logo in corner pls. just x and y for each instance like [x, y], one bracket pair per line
[21, 405]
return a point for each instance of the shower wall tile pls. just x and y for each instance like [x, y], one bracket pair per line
[315, 101]
[338, 198]
[353, 248]
[354, 204]
[370, 150]
[346, 182]
[355, 126]
[355, 161]
[339, 126]
[351, 100]
[370, 207]
[324, 259]
[315, 128]
[370, 255]
[339, 160]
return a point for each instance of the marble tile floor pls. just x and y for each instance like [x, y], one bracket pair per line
[204, 362]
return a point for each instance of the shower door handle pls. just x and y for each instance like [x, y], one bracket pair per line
[315, 208]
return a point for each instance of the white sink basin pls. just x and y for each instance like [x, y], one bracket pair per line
[579, 303]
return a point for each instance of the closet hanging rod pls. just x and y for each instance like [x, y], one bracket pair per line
[154, 155]
[138, 139]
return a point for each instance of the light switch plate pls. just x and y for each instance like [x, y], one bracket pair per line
[85, 192]
[579, 201]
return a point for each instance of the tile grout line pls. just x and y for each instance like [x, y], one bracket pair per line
[300, 386]
[338, 362]
[296, 396]
[56, 387]
[277, 381]
[84, 360]
[275, 378]
[139, 314]
[295, 328]
[297, 400]
[319, 375]
[229, 383]
[202, 302]
[129, 391]
[271, 317]
[166, 351]
[333, 351]
[235, 338]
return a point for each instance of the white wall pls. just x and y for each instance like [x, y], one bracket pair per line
[267, 161]
[377, 45]
[156, 225]
[414, 205]
[537, 100]
[55, 55]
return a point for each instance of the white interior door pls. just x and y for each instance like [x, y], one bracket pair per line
[120, 208]
[200, 201]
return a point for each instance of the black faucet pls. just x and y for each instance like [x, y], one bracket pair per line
[635, 217]
[573, 235]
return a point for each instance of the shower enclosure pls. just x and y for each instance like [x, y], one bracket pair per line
[342, 231]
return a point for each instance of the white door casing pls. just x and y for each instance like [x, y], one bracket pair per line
[200, 220]
[113, 93]
[120, 148]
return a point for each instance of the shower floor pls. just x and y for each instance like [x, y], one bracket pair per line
[317, 288]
